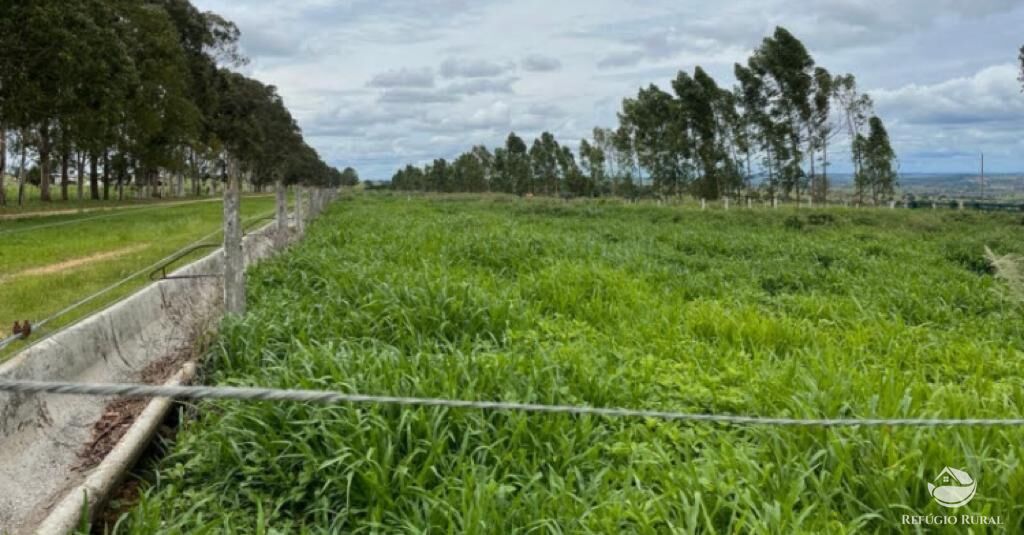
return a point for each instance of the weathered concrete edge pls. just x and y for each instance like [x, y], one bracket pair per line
[95, 490]
[164, 305]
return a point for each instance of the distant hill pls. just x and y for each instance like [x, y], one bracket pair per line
[963, 185]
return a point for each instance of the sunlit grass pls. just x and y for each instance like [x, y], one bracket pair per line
[864, 313]
[33, 285]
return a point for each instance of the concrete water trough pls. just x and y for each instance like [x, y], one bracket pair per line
[56, 451]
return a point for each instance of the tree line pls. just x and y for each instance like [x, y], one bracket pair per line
[769, 135]
[138, 93]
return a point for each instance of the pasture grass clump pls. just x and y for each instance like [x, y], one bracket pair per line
[595, 304]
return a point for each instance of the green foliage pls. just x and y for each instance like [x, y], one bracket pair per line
[136, 86]
[606, 305]
[704, 140]
[877, 174]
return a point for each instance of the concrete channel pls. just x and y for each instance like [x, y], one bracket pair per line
[56, 451]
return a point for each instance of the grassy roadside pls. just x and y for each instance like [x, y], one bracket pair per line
[33, 206]
[47, 263]
[843, 313]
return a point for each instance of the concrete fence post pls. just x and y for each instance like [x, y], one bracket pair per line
[933, 206]
[960, 205]
[281, 236]
[892, 205]
[300, 222]
[703, 204]
[726, 203]
[234, 259]
[775, 202]
[748, 203]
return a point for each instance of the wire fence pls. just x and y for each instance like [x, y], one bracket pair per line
[326, 397]
[36, 326]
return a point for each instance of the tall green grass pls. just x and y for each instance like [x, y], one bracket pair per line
[852, 313]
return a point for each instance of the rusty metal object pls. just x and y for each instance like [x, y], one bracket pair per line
[162, 269]
[22, 329]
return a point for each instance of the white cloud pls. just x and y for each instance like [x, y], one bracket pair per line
[540, 63]
[416, 96]
[371, 80]
[471, 68]
[404, 77]
[991, 98]
[479, 86]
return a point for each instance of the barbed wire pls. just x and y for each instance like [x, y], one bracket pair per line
[325, 397]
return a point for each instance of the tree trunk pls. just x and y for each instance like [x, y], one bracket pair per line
[106, 175]
[3, 166]
[122, 172]
[21, 171]
[824, 170]
[813, 183]
[44, 163]
[94, 178]
[80, 162]
[65, 161]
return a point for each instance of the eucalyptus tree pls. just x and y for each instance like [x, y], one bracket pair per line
[615, 168]
[161, 118]
[349, 177]
[438, 176]
[819, 131]
[207, 40]
[878, 173]
[517, 165]
[575, 180]
[661, 145]
[500, 179]
[624, 141]
[592, 163]
[699, 96]
[753, 98]
[856, 108]
[544, 155]
[40, 70]
[486, 160]
[705, 139]
[110, 77]
[786, 69]
[409, 178]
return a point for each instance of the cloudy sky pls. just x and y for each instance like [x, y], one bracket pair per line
[379, 83]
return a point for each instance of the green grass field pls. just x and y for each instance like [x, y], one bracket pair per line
[845, 313]
[49, 262]
[33, 205]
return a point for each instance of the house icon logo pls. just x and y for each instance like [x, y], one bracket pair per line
[953, 488]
